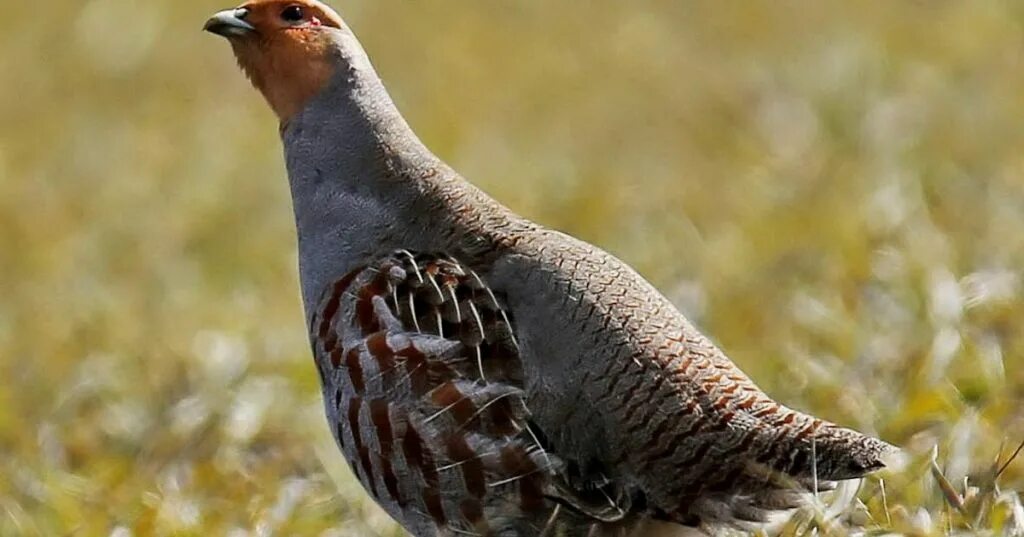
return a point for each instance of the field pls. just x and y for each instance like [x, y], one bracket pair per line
[833, 191]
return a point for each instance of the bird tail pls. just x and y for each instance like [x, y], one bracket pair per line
[798, 455]
[838, 453]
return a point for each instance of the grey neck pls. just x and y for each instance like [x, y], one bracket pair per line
[363, 184]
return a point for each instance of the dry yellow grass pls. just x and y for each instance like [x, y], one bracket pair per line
[834, 191]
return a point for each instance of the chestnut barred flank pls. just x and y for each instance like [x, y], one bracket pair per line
[429, 401]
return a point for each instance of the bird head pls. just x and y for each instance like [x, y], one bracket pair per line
[287, 48]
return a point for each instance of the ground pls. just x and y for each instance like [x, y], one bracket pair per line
[833, 191]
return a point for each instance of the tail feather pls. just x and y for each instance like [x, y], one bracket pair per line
[783, 475]
[835, 453]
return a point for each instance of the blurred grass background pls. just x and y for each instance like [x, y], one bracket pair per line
[834, 191]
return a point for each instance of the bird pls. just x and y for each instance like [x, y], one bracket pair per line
[483, 374]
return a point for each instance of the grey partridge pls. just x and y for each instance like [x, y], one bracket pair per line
[484, 375]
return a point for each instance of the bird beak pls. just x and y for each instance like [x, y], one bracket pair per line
[229, 23]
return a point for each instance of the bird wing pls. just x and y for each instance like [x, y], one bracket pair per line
[632, 392]
[423, 388]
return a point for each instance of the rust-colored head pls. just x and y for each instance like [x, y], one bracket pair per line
[285, 48]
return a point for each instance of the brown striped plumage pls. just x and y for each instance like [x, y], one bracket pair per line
[416, 350]
[417, 347]
[484, 375]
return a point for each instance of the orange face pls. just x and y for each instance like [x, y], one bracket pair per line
[283, 46]
[268, 17]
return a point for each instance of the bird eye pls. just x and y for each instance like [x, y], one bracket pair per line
[292, 14]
